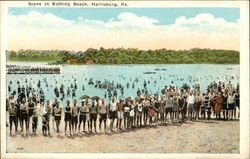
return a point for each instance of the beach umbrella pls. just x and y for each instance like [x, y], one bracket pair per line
[85, 96]
[95, 98]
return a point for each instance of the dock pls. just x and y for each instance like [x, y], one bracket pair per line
[33, 70]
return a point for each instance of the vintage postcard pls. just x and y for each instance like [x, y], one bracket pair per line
[125, 79]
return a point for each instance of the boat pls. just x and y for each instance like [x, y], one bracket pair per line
[161, 69]
[149, 72]
[229, 68]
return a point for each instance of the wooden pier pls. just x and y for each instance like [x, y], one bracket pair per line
[33, 70]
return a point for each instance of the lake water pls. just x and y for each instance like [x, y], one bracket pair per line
[167, 75]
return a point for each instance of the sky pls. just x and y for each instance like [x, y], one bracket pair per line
[145, 28]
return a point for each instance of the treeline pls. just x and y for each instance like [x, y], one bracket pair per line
[136, 56]
[34, 55]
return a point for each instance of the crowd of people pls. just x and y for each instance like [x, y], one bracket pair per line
[96, 114]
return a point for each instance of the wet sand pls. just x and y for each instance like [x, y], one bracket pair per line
[190, 137]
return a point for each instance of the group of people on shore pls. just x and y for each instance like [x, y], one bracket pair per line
[174, 105]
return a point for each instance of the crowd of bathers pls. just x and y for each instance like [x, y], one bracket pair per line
[96, 114]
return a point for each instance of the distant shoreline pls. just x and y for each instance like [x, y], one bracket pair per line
[83, 64]
[122, 56]
[54, 63]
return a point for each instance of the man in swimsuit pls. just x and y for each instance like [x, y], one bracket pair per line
[75, 112]
[67, 117]
[24, 115]
[12, 116]
[57, 112]
[48, 110]
[190, 105]
[112, 112]
[102, 109]
[120, 114]
[93, 115]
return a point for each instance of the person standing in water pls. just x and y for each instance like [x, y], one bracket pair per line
[68, 116]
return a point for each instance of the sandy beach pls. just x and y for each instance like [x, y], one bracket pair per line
[189, 137]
